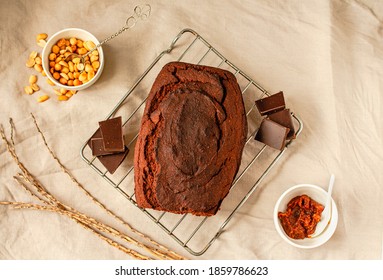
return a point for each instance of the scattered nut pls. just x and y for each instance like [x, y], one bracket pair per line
[38, 60]
[62, 98]
[42, 98]
[41, 36]
[50, 82]
[30, 62]
[42, 43]
[33, 55]
[28, 90]
[35, 87]
[38, 67]
[32, 79]
[56, 91]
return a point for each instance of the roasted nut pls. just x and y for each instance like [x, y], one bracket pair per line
[65, 70]
[33, 55]
[61, 43]
[30, 62]
[77, 82]
[82, 51]
[38, 60]
[69, 94]
[96, 65]
[93, 58]
[62, 98]
[79, 43]
[83, 76]
[41, 43]
[57, 67]
[56, 75]
[89, 45]
[65, 76]
[38, 67]
[52, 56]
[80, 67]
[32, 79]
[63, 81]
[42, 98]
[41, 36]
[90, 75]
[55, 49]
[71, 66]
[28, 90]
[35, 87]
[50, 82]
[56, 91]
[73, 41]
[63, 63]
[88, 68]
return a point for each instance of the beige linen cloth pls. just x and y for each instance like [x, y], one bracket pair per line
[327, 57]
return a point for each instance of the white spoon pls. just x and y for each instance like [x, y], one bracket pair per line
[327, 213]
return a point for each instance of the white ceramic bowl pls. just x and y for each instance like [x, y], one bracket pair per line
[79, 34]
[319, 195]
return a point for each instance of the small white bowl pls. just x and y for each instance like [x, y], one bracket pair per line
[319, 195]
[68, 33]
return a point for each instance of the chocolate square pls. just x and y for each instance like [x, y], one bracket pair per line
[111, 131]
[97, 145]
[284, 118]
[112, 161]
[272, 134]
[271, 104]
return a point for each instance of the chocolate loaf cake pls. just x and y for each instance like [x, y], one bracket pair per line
[190, 144]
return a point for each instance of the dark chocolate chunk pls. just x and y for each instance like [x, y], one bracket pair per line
[113, 161]
[96, 134]
[111, 131]
[284, 118]
[272, 134]
[271, 104]
[97, 145]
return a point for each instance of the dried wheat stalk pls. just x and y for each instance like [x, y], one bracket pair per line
[54, 205]
[97, 202]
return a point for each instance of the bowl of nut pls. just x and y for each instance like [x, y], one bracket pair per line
[69, 71]
[297, 213]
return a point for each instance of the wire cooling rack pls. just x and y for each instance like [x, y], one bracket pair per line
[193, 233]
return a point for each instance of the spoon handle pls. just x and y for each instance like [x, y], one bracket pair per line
[141, 12]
